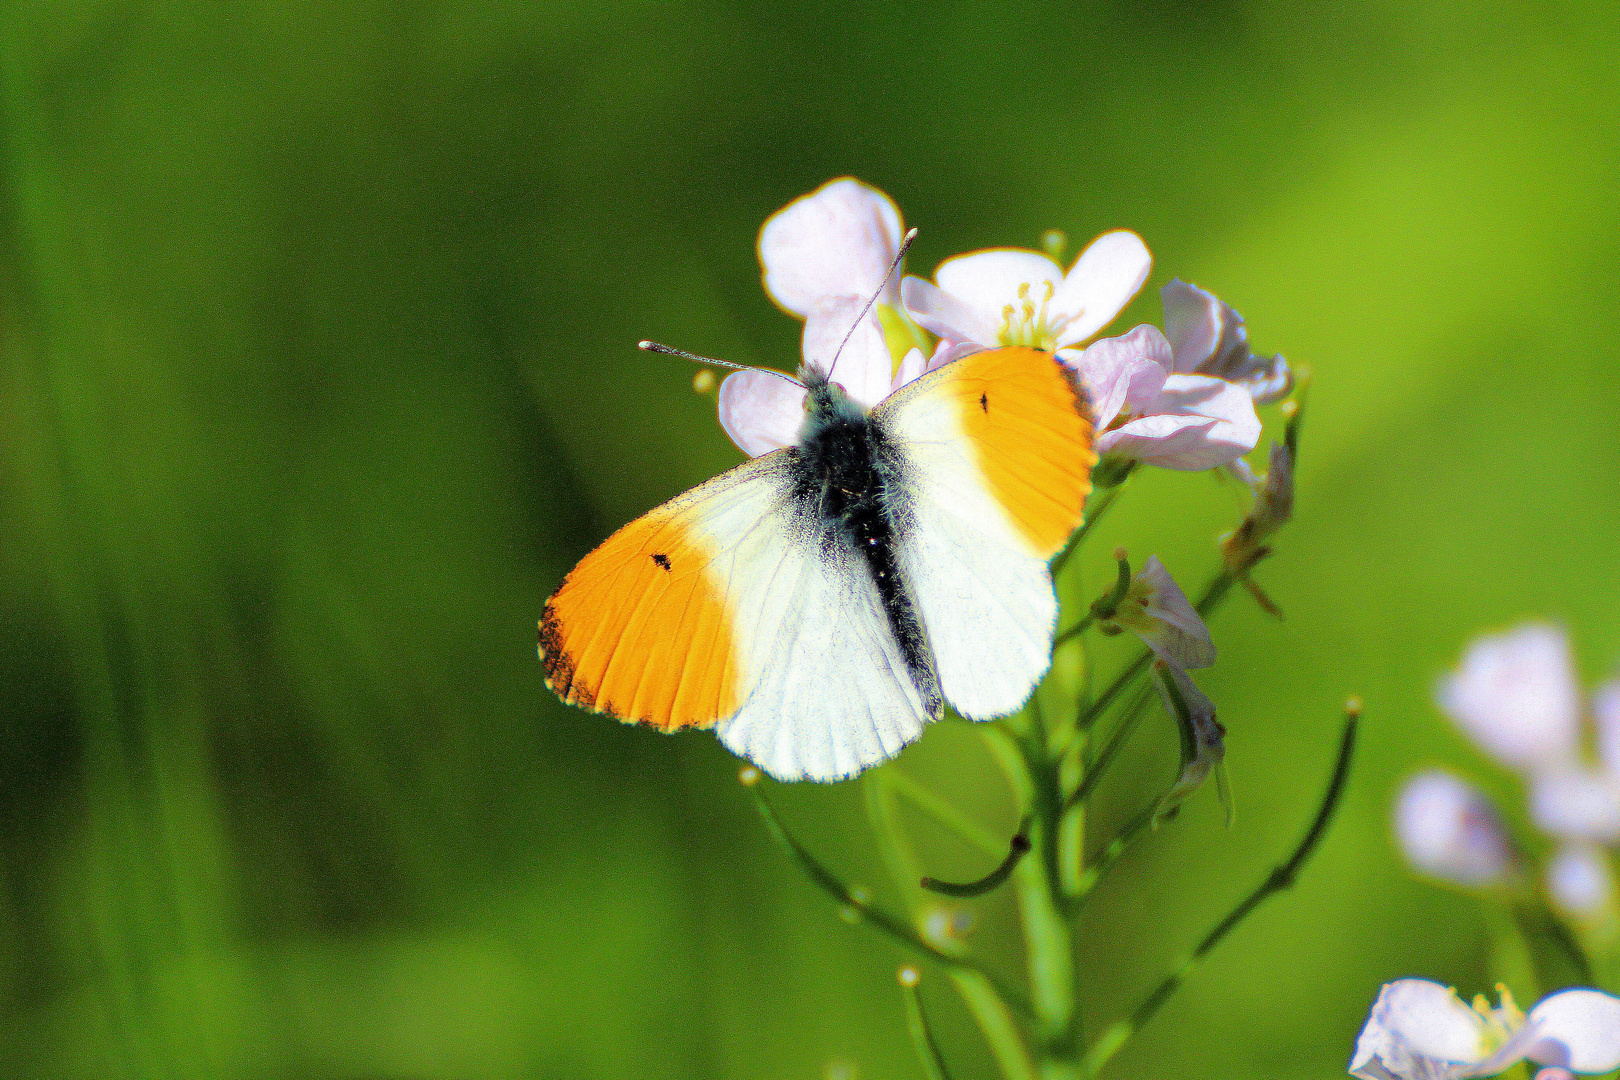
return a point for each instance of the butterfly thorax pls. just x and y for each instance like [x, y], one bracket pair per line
[848, 479]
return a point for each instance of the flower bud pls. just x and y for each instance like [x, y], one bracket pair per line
[1448, 830]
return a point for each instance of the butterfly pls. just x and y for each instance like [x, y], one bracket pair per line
[819, 605]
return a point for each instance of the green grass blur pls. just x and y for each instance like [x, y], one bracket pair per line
[317, 327]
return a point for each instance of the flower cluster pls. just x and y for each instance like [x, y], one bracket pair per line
[1516, 695]
[1181, 398]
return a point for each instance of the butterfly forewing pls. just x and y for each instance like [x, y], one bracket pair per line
[732, 606]
[996, 459]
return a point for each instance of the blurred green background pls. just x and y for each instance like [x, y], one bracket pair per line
[317, 324]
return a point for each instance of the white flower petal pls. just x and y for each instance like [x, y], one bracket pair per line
[1101, 282]
[1576, 803]
[865, 367]
[912, 366]
[1580, 880]
[837, 240]
[947, 351]
[1184, 640]
[1192, 323]
[987, 281]
[1449, 830]
[950, 318]
[1197, 423]
[1606, 711]
[1577, 1030]
[761, 412]
[1210, 339]
[1516, 695]
[1122, 373]
[1419, 1030]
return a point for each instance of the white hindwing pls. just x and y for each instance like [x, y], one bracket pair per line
[826, 690]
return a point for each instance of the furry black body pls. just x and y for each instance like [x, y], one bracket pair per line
[848, 481]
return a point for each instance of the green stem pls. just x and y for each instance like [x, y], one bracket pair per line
[1001, 1032]
[1016, 850]
[882, 920]
[1116, 741]
[1284, 876]
[922, 1036]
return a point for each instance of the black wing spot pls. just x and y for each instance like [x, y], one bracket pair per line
[662, 560]
[984, 402]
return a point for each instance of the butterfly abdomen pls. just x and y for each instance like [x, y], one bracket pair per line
[848, 483]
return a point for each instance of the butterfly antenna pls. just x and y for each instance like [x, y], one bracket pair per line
[666, 350]
[905, 245]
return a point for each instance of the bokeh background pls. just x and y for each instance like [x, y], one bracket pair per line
[317, 324]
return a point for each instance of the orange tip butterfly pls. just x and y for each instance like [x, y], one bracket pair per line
[818, 605]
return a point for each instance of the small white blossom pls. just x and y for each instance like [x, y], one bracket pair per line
[1449, 830]
[1420, 1030]
[1516, 695]
[1010, 296]
[1156, 610]
[837, 241]
[1146, 412]
[1209, 339]
[1581, 882]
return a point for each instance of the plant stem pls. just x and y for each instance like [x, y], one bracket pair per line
[1111, 1040]
[882, 920]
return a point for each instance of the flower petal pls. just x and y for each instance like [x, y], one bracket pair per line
[1575, 802]
[1449, 830]
[947, 351]
[1577, 1030]
[942, 314]
[761, 412]
[1210, 338]
[1606, 711]
[1197, 423]
[987, 281]
[1183, 640]
[1419, 1030]
[1124, 373]
[1192, 322]
[912, 366]
[864, 367]
[1101, 282]
[837, 240]
[1516, 695]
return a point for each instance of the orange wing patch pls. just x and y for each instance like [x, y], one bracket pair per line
[637, 631]
[1032, 433]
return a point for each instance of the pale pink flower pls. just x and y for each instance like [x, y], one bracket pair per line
[1209, 338]
[1421, 1030]
[1580, 880]
[1146, 412]
[1011, 296]
[1516, 695]
[1156, 610]
[1449, 830]
[837, 241]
